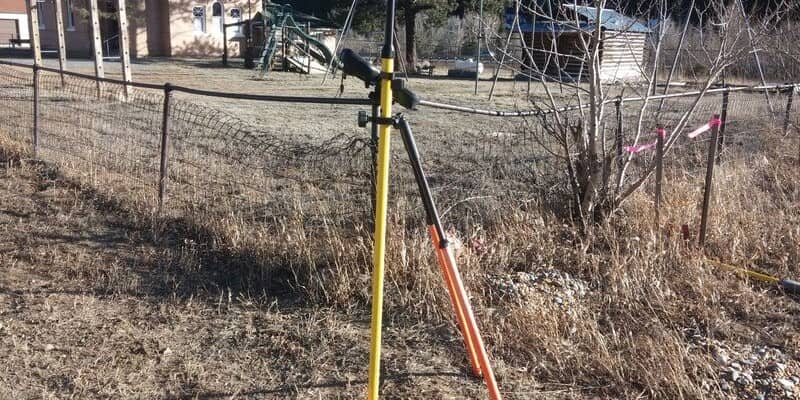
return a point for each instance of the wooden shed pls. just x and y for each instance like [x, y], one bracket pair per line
[553, 45]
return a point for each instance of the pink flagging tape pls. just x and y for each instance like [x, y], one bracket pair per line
[715, 122]
[647, 146]
[639, 148]
[695, 133]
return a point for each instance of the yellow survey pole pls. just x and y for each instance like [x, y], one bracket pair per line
[381, 202]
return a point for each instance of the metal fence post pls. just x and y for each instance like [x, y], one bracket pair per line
[620, 159]
[712, 150]
[35, 109]
[284, 62]
[659, 172]
[162, 181]
[788, 115]
[723, 122]
[225, 45]
[308, 49]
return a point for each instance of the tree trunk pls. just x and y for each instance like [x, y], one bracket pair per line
[593, 191]
[411, 33]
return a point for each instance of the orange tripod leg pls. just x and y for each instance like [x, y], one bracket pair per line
[466, 318]
[472, 326]
[459, 308]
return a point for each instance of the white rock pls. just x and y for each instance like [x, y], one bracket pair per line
[747, 377]
[786, 384]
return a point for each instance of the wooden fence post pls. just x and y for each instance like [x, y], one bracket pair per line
[723, 122]
[97, 45]
[712, 150]
[124, 47]
[162, 181]
[62, 48]
[788, 115]
[659, 172]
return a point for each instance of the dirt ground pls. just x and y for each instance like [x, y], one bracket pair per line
[92, 305]
[99, 301]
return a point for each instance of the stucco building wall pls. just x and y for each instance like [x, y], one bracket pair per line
[156, 27]
[14, 10]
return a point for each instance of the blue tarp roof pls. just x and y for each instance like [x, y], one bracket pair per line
[610, 20]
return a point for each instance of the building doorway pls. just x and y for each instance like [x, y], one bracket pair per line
[109, 27]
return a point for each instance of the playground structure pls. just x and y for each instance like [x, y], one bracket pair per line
[286, 45]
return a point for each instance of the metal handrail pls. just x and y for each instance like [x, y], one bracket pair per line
[106, 44]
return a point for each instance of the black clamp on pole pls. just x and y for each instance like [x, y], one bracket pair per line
[357, 66]
[389, 76]
[398, 121]
[364, 119]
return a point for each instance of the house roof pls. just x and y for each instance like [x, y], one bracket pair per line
[610, 20]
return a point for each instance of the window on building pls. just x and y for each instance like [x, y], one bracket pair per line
[236, 16]
[217, 16]
[70, 16]
[40, 12]
[199, 18]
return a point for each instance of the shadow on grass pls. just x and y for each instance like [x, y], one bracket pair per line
[153, 257]
[332, 384]
[204, 63]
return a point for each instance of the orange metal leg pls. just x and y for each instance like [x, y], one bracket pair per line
[472, 326]
[459, 308]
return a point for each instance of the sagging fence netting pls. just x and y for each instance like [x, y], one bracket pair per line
[291, 184]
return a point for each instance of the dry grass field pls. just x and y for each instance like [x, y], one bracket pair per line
[254, 281]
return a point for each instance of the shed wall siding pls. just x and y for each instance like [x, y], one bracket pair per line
[622, 56]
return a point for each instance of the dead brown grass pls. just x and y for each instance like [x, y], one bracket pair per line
[247, 284]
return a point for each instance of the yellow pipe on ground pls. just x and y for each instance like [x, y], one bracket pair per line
[746, 272]
[379, 250]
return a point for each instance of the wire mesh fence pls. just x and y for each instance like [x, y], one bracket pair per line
[17, 97]
[107, 140]
[272, 187]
